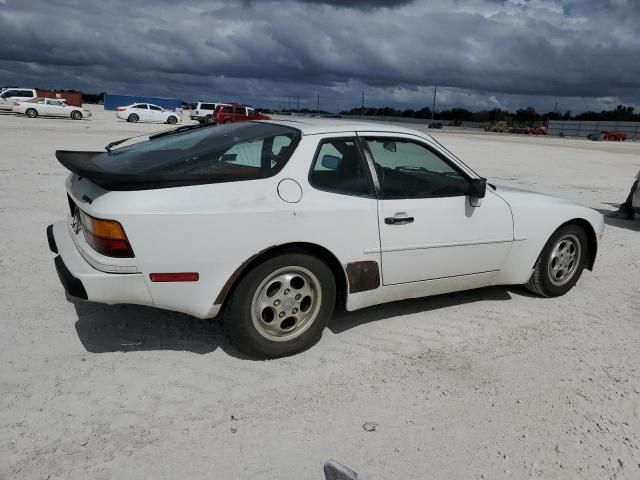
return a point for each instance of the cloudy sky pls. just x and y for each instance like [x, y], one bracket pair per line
[583, 54]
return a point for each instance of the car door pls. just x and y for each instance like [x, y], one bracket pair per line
[428, 228]
[56, 108]
[156, 114]
[142, 110]
[43, 107]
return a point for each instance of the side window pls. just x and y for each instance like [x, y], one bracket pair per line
[410, 170]
[10, 93]
[141, 106]
[338, 167]
[239, 111]
[261, 153]
[153, 107]
[207, 106]
[26, 93]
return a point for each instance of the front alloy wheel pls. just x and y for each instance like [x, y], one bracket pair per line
[281, 306]
[561, 262]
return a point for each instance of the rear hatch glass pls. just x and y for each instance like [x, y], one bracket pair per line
[232, 152]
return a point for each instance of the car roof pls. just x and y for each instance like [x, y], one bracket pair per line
[315, 126]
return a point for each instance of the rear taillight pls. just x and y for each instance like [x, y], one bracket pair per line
[106, 236]
[120, 109]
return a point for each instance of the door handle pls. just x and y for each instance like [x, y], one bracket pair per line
[398, 220]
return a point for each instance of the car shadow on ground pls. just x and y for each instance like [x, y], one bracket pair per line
[343, 320]
[132, 328]
[633, 225]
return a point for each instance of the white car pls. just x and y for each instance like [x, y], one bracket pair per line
[147, 112]
[273, 222]
[9, 97]
[50, 107]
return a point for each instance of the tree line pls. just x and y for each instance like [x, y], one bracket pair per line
[523, 115]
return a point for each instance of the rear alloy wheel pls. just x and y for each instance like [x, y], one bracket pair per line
[31, 113]
[133, 118]
[208, 119]
[172, 120]
[227, 121]
[561, 262]
[281, 306]
[76, 115]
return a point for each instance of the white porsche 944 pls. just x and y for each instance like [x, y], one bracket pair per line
[272, 223]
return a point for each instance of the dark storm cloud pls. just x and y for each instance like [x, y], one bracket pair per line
[486, 52]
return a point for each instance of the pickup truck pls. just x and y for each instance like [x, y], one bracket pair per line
[204, 112]
[238, 113]
[10, 96]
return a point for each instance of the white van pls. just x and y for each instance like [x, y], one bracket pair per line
[10, 96]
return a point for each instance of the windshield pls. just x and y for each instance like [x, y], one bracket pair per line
[241, 151]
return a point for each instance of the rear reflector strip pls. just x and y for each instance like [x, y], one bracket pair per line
[175, 277]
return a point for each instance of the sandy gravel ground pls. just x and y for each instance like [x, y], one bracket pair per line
[492, 383]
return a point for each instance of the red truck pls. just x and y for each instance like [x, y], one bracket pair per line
[237, 113]
[608, 136]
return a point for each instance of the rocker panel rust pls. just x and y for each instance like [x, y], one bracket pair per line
[363, 276]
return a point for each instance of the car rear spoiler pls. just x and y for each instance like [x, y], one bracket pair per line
[84, 164]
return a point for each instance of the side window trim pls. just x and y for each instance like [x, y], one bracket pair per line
[361, 156]
[363, 139]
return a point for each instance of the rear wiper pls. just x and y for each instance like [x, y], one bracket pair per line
[118, 142]
[182, 128]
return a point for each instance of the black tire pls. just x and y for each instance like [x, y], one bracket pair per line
[208, 119]
[76, 115]
[239, 321]
[133, 118]
[31, 113]
[542, 281]
[172, 120]
[227, 121]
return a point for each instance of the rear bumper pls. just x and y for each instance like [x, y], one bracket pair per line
[81, 280]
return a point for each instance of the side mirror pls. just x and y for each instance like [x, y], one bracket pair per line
[390, 146]
[477, 191]
[330, 162]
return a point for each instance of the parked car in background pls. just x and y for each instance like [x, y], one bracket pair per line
[270, 222]
[608, 136]
[50, 107]
[437, 125]
[147, 112]
[10, 96]
[238, 113]
[205, 112]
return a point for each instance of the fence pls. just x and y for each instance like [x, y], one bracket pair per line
[421, 121]
[573, 128]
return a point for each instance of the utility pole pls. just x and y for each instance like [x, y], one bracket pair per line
[362, 107]
[433, 109]
[318, 103]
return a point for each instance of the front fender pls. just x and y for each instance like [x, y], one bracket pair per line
[535, 217]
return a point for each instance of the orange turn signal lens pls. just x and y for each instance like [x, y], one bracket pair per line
[106, 236]
[103, 228]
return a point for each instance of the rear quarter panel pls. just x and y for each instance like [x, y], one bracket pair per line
[213, 229]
